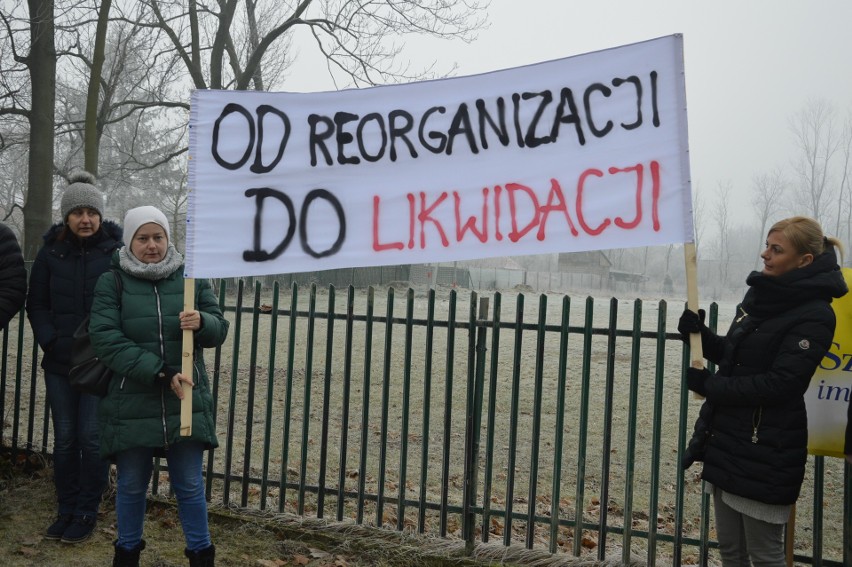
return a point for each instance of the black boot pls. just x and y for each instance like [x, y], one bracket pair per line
[125, 558]
[202, 557]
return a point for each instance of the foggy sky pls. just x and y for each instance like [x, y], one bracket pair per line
[750, 66]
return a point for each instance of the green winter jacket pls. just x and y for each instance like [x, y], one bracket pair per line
[136, 336]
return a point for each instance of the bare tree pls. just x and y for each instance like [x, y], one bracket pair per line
[817, 141]
[767, 196]
[14, 124]
[120, 107]
[254, 39]
[360, 41]
[128, 117]
[59, 113]
[41, 62]
[844, 192]
[93, 129]
[29, 94]
[721, 214]
[13, 182]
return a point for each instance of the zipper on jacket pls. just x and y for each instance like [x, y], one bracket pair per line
[755, 423]
[163, 417]
[163, 356]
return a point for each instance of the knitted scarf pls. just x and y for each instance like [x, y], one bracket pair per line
[153, 272]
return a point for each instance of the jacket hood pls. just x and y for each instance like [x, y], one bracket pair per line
[109, 229]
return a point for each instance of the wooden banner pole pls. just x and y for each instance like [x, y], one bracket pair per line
[186, 365]
[691, 260]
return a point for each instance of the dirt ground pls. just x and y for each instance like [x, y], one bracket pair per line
[27, 507]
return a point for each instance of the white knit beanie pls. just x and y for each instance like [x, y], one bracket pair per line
[81, 192]
[143, 215]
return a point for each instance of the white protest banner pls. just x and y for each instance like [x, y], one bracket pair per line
[583, 153]
[827, 397]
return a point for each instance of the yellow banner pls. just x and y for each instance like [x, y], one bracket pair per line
[827, 397]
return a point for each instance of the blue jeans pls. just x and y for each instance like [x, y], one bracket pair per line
[79, 473]
[134, 475]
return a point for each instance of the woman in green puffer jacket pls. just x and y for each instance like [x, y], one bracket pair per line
[138, 333]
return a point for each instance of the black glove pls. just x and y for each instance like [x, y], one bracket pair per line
[691, 322]
[695, 449]
[696, 380]
[165, 375]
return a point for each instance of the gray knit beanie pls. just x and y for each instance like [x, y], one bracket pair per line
[81, 192]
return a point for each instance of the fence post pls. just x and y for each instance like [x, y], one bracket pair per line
[847, 512]
[472, 428]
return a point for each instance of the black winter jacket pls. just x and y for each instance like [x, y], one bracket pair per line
[752, 430]
[13, 276]
[62, 284]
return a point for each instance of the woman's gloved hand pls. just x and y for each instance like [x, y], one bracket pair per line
[696, 380]
[691, 322]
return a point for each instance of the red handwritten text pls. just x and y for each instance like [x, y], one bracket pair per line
[424, 218]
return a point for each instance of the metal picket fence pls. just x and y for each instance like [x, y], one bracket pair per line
[556, 424]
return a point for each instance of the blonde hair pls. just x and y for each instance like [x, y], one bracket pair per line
[806, 236]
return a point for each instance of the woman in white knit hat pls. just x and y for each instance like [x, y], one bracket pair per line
[138, 333]
[75, 253]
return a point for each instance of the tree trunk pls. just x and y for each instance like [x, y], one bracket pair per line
[254, 41]
[38, 209]
[92, 135]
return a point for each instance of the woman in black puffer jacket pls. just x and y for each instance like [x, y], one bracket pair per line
[752, 430]
[76, 252]
[13, 276]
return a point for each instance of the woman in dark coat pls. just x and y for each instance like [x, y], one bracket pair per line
[75, 253]
[138, 333]
[13, 276]
[752, 430]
